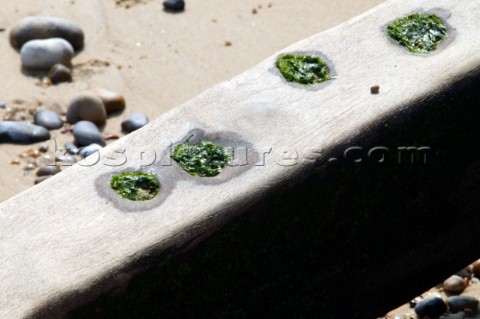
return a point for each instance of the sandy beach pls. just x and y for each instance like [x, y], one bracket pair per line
[157, 60]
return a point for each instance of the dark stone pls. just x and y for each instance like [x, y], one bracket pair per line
[48, 170]
[40, 179]
[87, 106]
[86, 133]
[33, 28]
[174, 5]
[48, 119]
[112, 101]
[22, 133]
[464, 273]
[90, 149]
[134, 122]
[59, 73]
[431, 307]
[71, 148]
[460, 303]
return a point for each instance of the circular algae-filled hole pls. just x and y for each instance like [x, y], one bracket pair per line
[135, 186]
[205, 158]
[303, 69]
[419, 33]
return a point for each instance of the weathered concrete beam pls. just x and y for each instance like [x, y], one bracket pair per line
[300, 221]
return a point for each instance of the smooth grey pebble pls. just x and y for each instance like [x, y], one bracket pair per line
[48, 119]
[431, 307]
[43, 54]
[134, 122]
[86, 133]
[22, 132]
[460, 303]
[71, 148]
[89, 150]
[65, 160]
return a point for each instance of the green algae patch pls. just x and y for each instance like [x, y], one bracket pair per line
[135, 186]
[304, 69]
[204, 159]
[419, 33]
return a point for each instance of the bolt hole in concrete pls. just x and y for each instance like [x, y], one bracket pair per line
[135, 186]
[303, 69]
[418, 32]
[205, 158]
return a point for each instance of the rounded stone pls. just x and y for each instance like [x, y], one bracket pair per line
[86, 133]
[476, 268]
[59, 73]
[460, 303]
[40, 179]
[43, 54]
[22, 132]
[48, 170]
[431, 307]
[89, 150]
[48, 119]
[112, 101]
[65, 160]
[34, 28]
[134, 122]
[455, 284]
[174, 5]
[71, 148]
[87, 107]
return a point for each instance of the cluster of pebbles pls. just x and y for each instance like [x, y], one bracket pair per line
[48, 44]
[447, 300]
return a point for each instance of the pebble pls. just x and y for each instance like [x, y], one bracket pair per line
[40, 179]
[86, 133]
[29, 167]
[48, 170]
[87, 106]
[460, 303]
[431, 307]
[90, 149]
[476, 268]
[22, 133]
[112, 101]
[44, 54]
[71, 148]
[59, 73]
[65, 160]
[174, 5]
[375, 89]
[134, 122]
[465, 273]
[33, 28]
[455, 284]
[48, 119]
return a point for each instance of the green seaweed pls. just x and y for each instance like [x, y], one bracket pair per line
[204, 159]
[135, 186]
[304, 69]
[420, 33]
